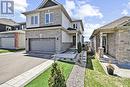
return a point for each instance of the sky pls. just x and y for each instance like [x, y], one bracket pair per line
[94, 13]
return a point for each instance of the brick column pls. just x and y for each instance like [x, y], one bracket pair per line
[100, 49]
[100, 52]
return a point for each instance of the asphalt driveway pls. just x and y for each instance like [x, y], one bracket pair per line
[14, 64]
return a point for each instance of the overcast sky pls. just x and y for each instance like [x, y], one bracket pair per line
[94, 13]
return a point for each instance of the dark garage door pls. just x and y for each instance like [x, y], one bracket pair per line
[42, 45]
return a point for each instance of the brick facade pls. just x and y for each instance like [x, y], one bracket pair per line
[123, 45]
[55, 33]
[48, 33]
[118, 44]
[57, 17]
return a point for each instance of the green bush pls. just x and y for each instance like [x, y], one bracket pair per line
[56, 79]
[79, 47]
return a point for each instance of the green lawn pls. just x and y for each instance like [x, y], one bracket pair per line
[96, 77]
[6, 51]
[42, 80]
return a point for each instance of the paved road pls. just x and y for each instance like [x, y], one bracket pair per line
[14, 64]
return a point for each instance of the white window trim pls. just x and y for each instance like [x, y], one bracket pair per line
[8, 28]
[49, 17]
[76, 25]
[34, 20]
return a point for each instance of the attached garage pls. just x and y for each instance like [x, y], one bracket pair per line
[8, 43]
[12, 39]
[43, 40]
[42, 45]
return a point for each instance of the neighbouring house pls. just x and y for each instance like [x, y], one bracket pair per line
[51, 30]
[11, 34]
[113, 39]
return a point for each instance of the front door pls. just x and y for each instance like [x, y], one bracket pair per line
[74, 40]
[104, 44]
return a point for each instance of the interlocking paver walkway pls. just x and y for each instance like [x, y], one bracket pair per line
[76, 78]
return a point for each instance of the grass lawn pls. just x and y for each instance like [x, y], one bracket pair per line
[96, 77]
[42, 80]
[6, 51]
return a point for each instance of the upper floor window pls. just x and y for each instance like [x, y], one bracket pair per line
[8, 28]
[34, 20]
[17, 28]
[48, 18]
[75, 26]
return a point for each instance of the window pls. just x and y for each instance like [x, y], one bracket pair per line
[8, 28]
[22, 26]
[51, 17]
[48, 18]
[17, 28]
[75, 26]
[34, 20]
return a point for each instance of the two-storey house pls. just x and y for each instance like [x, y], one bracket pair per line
[51, 30]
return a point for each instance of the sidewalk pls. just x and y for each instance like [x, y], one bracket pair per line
[76, 78]
[12, 52]
[25, 78]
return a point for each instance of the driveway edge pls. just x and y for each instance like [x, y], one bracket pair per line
[28, 76]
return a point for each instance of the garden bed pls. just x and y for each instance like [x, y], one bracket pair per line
[96, 77]
[42, 80]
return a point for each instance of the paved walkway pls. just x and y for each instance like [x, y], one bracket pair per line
[25, 78]
[76, 78]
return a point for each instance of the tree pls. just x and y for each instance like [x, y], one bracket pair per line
[79, 47]
[56, 79]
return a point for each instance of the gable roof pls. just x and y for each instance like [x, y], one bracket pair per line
[119, 22]
[48, 3]
[81, 22]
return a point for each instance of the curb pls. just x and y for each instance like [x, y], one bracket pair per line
[28, 76]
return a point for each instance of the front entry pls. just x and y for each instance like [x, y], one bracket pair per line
[74, 40]
[104, 43]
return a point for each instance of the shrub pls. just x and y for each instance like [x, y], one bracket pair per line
[83, 47]
[79, 47]
[56, 79]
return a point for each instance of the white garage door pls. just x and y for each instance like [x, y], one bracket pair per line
[8, 43]
[42, 45]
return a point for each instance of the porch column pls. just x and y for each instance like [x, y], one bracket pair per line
[101, 35]
[76, 40]
[101, 49]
